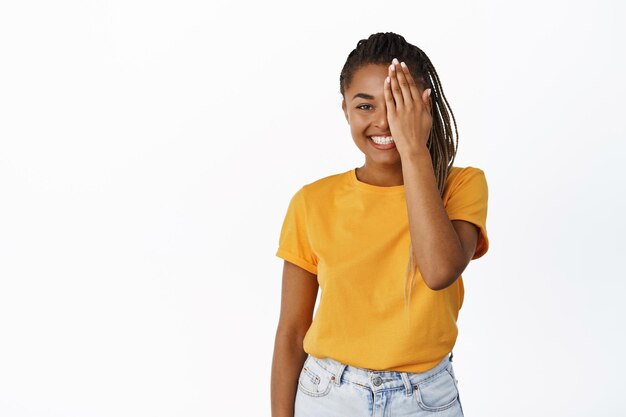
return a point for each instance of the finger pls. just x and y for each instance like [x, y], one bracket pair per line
[403, 83]
[395, 87]
[391, 105]
[415, 93]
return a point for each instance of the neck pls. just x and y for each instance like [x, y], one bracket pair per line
[381, 176]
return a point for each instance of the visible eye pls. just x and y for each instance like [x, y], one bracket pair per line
[364, 105]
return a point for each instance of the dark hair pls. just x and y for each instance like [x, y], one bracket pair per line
[381, 48]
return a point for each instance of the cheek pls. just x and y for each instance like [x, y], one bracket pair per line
[358, 123]
[358, 131]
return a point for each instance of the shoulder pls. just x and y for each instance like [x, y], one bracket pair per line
[325, 185]
[465, 177]
[318, 191]
[462, 174]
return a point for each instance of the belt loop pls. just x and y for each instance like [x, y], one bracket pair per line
[338, 373]
[407, 384]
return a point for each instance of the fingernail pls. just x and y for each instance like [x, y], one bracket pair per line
[428, 92]
[403, 64]
[387, 80]
[395, 61]
[391, 67]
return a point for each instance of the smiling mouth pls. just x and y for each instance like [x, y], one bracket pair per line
[381, 140]
[383, 143]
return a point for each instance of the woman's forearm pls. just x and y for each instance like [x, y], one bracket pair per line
[289, 357]
[437, 249]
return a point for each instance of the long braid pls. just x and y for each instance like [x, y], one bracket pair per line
[448, 146]
[381, 48]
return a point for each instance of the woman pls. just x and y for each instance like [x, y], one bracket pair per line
[387, 244]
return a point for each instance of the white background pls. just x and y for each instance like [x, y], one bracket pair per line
[149, 149]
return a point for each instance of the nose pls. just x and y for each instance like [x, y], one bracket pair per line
[380, 120]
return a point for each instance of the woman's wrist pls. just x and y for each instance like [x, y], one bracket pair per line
[414, 153]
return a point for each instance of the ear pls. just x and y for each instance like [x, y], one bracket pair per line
[345, 110]
[428, 99]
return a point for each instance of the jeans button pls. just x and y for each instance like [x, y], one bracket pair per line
[377, 381]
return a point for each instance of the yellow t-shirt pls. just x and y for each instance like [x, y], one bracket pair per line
[355, 237]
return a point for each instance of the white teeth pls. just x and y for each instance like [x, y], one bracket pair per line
[382, 140]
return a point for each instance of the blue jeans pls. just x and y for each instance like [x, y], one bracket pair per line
[328, 388]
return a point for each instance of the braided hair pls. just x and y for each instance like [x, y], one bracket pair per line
[442, 144]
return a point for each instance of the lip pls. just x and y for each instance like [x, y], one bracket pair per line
[391, 145]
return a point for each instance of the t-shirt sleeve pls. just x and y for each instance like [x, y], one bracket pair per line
[294, 244]
[468, 201]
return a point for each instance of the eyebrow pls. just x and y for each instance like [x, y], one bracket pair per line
[363, 95]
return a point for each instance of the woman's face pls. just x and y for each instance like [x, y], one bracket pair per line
[366, 112]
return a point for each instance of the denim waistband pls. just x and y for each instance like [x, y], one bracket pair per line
[378, 380]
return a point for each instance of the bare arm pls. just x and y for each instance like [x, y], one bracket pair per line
[299, 292]
[442, 248]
